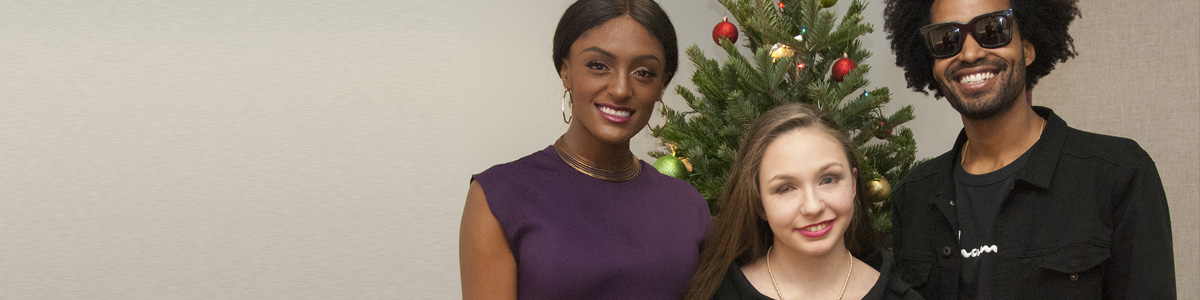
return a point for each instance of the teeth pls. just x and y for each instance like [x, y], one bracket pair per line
[817, 227]
[976, 78]
[615, 113]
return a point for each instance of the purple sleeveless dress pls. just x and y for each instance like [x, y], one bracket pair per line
[578, 237]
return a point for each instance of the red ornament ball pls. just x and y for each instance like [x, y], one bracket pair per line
[841, 67]
[884, 134]
[725, 30]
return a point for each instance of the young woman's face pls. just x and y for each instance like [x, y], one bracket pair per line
[807, 188]
[615, 74]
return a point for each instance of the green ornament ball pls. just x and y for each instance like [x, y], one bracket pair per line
[828, 3]
[671, 166]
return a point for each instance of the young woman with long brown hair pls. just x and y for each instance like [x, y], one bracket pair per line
[791, 225]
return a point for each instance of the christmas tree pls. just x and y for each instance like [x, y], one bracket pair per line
[801, 53]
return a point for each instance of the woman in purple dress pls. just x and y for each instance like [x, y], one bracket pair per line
[584, 218]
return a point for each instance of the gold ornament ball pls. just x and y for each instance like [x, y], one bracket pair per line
[671, 166]
[779, 50]
[879, 189]
[828, 3]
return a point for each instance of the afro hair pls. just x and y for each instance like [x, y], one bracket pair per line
[1042, 22]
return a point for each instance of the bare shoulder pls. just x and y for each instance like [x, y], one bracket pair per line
[487, 265]
[479, 229]
[477, 215]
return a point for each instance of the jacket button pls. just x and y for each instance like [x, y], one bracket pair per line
[946, 251]
[1074, 276]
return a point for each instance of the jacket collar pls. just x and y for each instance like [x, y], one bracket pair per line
[1044, 160]
[1039, 170]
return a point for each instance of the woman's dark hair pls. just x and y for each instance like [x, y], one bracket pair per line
[739, 233]
[584, 15]
[1041, 22]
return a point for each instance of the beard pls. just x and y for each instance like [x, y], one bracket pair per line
[1011, 87]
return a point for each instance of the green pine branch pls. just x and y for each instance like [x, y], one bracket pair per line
[730, 94]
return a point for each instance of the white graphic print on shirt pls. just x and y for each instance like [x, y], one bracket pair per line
[981, 250]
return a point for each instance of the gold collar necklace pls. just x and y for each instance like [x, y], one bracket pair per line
[780, 294]
[581, 164]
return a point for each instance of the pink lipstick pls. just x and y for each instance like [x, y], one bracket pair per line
[816, 230]
[614, 113]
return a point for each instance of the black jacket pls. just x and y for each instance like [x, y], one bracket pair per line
[1087, 218]
[735, 286]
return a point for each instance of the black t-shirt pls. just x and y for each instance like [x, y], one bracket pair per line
[979, 198]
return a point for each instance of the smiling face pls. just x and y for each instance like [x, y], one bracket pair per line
[615, 74]
[808, 188]
[981, 83]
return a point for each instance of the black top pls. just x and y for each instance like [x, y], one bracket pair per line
[735, 286]
[978, 198]
[1087, 218]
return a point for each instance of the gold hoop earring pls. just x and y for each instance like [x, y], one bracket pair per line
[666, 120]
[564, 108]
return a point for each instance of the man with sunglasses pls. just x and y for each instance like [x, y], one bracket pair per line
[1023, 206]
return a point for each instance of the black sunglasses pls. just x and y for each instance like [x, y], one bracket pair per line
[990, 30]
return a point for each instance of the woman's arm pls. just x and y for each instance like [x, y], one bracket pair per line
[488, 268]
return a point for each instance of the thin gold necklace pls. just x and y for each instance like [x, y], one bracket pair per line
[963, 157]
[776, 285]
[581, 164]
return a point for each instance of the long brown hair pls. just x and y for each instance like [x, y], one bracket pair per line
[739, 233]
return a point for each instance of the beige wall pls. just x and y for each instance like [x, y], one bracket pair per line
[321, 149]
[1138, 76]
